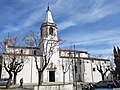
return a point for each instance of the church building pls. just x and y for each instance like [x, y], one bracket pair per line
[65, 66]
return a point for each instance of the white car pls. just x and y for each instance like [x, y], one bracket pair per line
[105, 84]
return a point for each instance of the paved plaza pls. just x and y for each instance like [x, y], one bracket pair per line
[16, 87]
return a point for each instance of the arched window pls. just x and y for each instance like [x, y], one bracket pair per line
[35, 52]
[51, 31]
[21, 51]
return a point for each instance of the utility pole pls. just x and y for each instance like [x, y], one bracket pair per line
[63, 68]
[75, 69]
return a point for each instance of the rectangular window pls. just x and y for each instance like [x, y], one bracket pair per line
[21, 51]
[35, 52]
[105, 61]
[93, 69]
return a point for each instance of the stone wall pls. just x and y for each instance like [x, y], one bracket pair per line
[54, 87]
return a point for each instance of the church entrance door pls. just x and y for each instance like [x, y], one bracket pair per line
[51, 76]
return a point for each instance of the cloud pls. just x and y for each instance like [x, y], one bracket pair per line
[106, 53]
[96, 37]
[65, 24]
[99, 9]
[9, 28]
[24, 23]
[74, 16]
[20, 15]
[95, 14]
[31, 20]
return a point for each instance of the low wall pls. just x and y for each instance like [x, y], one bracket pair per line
[116, 89]
[54, 87]
[104, 89]
[108, 89]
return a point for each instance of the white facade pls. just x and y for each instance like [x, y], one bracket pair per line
[61, 60]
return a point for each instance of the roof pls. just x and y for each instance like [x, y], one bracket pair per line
[81, 58]
[86, 58]
[68, 50]
[48, 17]
[22, 47]
[64, 50]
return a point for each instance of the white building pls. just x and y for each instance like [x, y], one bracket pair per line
[61, 60]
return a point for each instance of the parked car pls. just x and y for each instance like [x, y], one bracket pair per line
[106, 84]
[3, 81]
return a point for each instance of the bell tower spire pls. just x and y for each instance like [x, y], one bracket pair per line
[48, 17]
[48, 27]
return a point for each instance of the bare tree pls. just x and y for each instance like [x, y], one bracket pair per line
[101, 68]
[112, 69]
[12, 58]
[65, 68]
[44, 49]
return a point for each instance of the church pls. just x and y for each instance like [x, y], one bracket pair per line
[64, 66]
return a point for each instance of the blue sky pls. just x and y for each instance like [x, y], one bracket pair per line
[91, 25]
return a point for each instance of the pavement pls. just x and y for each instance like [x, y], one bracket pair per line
[16, 87]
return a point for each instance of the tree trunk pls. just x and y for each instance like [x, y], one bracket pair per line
[14, 78]
[0, 70]
[102, 77]
[39, 78]
[10, 79]
[63, 77]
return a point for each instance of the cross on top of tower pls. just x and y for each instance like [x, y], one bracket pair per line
[48, 8]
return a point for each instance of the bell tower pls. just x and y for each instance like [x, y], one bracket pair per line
[49, 47]
[48, 27]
